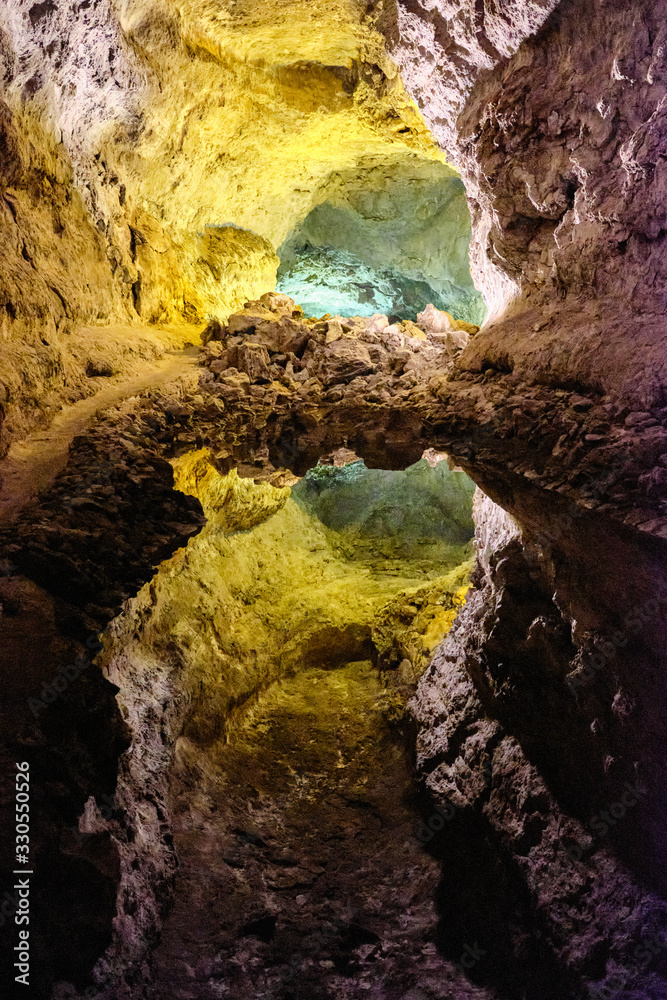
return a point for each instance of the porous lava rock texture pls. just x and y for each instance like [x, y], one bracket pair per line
[541, 742]
[559, 135]
[541, 779]
[154, 155]
[554, 115]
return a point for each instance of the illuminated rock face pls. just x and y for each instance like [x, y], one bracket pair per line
[422, 508]
[388, 239]
[559, 135]
[176, 118]
[154, 156]
[543, 712]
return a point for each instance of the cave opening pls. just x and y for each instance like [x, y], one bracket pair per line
[385, 238]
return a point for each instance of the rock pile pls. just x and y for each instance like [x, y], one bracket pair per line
[274, 368]
[295, 387]
[271, 339]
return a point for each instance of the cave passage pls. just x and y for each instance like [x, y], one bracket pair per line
[386, 239]
[301, 869]
[301, 873]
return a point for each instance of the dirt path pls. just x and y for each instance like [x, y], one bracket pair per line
[33, 463]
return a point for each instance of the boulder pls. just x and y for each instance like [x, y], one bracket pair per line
[278, 303]
[433, 320]
[219, 365]
[470, 328]
[343, 361]
[282, 336]
[213, 331]
[249, 318]
[453, 340]
[411, 329]
[334, 331]
[376, 323]
[253, 359]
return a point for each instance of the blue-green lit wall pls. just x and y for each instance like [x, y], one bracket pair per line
[389, 242]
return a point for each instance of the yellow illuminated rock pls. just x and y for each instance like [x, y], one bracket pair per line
[172, 149]
[264, 590]
[234, 504]
[412, 624]
[251, 114]
[249, 108]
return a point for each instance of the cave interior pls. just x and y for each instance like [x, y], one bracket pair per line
[333, 492]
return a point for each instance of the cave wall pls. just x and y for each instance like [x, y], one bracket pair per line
[154, 155]
[554, 116]
[422, 511]
[540, 732]
[559, 135]
[176, 117]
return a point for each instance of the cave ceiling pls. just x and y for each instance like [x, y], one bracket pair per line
[158, 400]
[215, 113]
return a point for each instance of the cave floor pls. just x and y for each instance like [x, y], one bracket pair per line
[33, 462]
[301, 874]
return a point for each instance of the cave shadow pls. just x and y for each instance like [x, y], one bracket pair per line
[582, 732]
[488, 925]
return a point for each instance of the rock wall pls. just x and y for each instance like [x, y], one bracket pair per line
[408, 217]
[527, 744]
[559, 136]
[422, 512]
[152, 157]
[176, 119]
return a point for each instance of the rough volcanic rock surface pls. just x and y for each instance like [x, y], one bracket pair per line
[152, 158]
[301, 835]
[509, 710]
[527, 712]
[554, 114]
[162, 125]
[582, 445]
